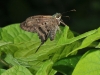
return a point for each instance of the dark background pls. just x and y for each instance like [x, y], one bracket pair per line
[86, 17]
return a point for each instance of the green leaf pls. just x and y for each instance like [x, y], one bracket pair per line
[17, 70]
[52, 72]
[2, 70]
[17, 40]
[15, 34]
[3, 43]
[45, 68]
[98, 45]
[88, 64]
[66, 65]
[25, 50]
[69, 41]
[11, 60]
[88, 40]
[63, 37]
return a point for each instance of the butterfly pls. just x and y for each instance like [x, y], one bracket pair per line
[45, 26]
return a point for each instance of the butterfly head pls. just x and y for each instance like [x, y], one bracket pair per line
[57, 16]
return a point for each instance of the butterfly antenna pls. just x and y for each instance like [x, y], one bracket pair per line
[69, 11]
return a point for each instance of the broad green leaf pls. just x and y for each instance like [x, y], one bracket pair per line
[43, 52]
[88, 64]
[15, 34]
[19, 39]
[26, 49]
[66, 65]
[11, 60]
[17, 70]
[2, 70]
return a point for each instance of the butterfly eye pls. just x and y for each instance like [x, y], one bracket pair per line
[58, 16]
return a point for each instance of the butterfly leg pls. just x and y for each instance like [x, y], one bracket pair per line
[39, 46]
[62, 22]
[41, 36]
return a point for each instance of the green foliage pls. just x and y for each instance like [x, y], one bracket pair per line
[1, 71]
[89, 63]
[17, 52]
[17, 70]
[67, 64]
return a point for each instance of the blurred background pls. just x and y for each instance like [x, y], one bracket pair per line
[86, 17]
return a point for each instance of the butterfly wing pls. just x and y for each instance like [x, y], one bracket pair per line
[45, 26]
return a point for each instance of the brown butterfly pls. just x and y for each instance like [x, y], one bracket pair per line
[46, 26]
